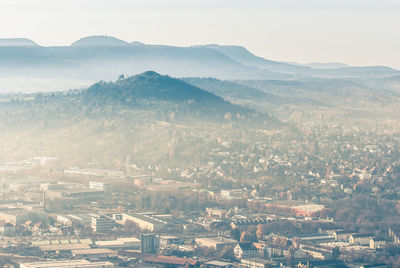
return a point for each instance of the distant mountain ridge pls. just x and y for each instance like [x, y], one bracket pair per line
[96, 58]
[17, 42]
[100, 40]
[241, 54]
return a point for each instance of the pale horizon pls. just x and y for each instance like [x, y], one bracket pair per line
[357, 33]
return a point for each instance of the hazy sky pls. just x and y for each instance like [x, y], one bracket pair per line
[358, 32]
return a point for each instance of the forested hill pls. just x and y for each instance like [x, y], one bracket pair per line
[150, 85]
[151, 89]
[148, 117]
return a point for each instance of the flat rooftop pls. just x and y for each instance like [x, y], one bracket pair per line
[216, 240]
[65, 263]
[58, 247]
[93, 251]
[146, 218]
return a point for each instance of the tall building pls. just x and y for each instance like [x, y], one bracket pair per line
[101, 223]
[44, 201]
[149, 243]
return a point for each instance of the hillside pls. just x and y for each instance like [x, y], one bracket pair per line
[150, 118]
[234, 91]
[153, 87]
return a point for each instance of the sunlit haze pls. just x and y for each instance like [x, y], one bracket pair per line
[355, 32]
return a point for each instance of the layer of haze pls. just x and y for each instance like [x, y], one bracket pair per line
[356, 32]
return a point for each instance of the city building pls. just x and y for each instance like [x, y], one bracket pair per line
[217, 243]
[341, 235]
[120, 243]
[149, 243]
[77, 194]
[7, 229]
[258, 263]
[360, 239]
[318, 252]
[244, 223]
[52, 186]
[101, 223]
[216, 212]
[62, 248]
[375, 243]
[99, 186]
[145, 222]
[95, 253]
[13, 215]
[231, 194]
[81, 219]
[245, 250]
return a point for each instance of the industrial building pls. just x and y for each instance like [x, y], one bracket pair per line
[120, 243]
[217, 243]
[145, 222]
[78, 194]
[62, 248]
[52, 186]
[94, 253]
[68, 220]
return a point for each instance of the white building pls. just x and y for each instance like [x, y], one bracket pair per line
[245, 250]
[101, 223]
[231, 194]
[360, 239]
[119, 243]
[217, 243]
[145, 222]
[99, 186]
